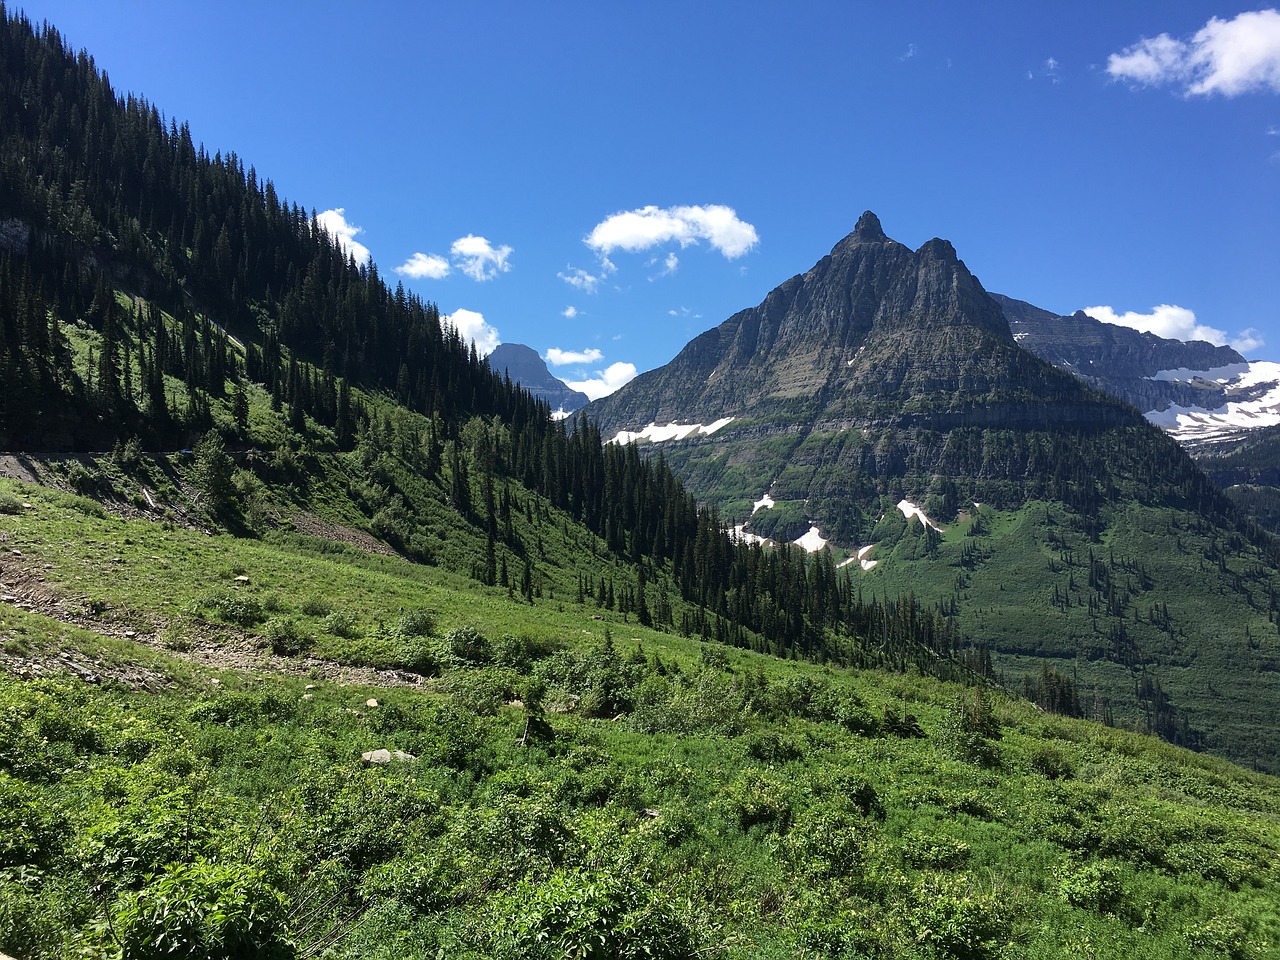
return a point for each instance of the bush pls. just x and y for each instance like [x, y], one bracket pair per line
[9, 503]
[203, 910]
[236, 608]
[286, 637]
[340, 623]
[1094, 886]
[592, 915]
[952, 918]
[418, 623]
[316, 607]
[971, 729]
[467, 643]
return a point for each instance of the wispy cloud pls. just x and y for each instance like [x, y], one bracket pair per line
[479, 259]
[335, 224]
[605, 382]
[584, 280]
[911, 52]
[1228, 57]
[651, 226]
[1176, 323]
[473, 326]
[424, 265]
[563, 358]
[570, 312]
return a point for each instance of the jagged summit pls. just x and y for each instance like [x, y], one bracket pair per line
[868, 229]
[870, 333]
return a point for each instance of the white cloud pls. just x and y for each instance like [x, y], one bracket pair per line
[579, 278]
[1246, 340]
[335, 224]
[650, 226]
[606, 381]
[478, 258]
[422, 265]
[561, 358]
[473, 326]
[1229, 57]
[1166, 320]
[669, 265]
[911, 52]
[570, 312]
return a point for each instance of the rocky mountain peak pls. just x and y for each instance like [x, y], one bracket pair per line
[868, 229]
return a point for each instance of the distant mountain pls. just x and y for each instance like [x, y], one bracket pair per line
[530, 371]
[879, 369]
[1203, 395]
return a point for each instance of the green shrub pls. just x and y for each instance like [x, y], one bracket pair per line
[286, 637]
[9, 503]
[934, 853]
[951, 917]
[1051, 762]
[234, 607]
[467, 643]
[1093, 886]
[417, 623]
[341, 623]
[971, 729]
[316, 607]
[757, 798]
[592, 916]
[1223, 935]
[203, 910]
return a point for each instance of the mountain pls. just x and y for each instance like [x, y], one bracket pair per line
[523, 365]
[880, 367]
[1205, 396]
[879, 406]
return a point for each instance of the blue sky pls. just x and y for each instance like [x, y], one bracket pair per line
[604, 181]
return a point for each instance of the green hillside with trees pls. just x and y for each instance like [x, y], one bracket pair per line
[318, 639]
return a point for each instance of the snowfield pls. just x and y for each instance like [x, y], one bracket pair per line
[672, 431]
[811, 542]
[1255, 384]
[738, 534]
[764, 503]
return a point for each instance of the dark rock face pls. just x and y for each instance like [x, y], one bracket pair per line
[1117, 359]
[874, 333]
[880, 372]
[526, 368]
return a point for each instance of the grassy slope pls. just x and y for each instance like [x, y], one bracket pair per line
[1004, 591]
[766, 840]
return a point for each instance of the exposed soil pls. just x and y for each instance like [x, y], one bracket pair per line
[207, 645]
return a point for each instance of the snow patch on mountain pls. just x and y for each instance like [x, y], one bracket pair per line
[811, 542]
[1225, 374]
[910, 510]
[738, 534]
[764, 503]
[1253, 400]
[672, 431]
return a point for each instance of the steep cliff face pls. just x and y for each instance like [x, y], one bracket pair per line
[880, 371]
[1121, 361]
[523, 365]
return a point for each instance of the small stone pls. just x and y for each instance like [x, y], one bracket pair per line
[242, 579]
[308, 696]
[310, 686]
[215, 682]
[371, 702]
[386, 756]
